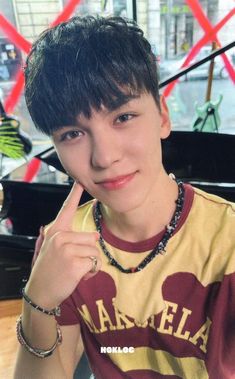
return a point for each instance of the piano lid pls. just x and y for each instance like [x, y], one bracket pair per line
[192, 156]
[200, 157]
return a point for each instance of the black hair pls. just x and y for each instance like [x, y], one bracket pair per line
[84, 63]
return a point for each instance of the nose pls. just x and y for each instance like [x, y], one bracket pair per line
[106, 150]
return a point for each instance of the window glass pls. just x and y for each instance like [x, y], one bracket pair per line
[174, 28]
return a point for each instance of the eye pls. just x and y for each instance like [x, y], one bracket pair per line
[124, 118]
[70, 135]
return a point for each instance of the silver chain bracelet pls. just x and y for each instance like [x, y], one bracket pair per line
[40, 353]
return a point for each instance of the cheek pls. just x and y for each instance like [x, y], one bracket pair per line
[62, 158]
[153, 152]
[153, 141]
[68, 162]
[145, 146]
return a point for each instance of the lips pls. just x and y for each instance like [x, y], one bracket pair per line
[116, 183]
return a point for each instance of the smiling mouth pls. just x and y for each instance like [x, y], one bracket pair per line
[117, 182]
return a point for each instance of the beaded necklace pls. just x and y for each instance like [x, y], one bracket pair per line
[160, 248]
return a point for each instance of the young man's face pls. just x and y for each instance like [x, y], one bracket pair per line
[116, 155]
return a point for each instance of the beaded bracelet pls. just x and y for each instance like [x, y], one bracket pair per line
[53, 312]
[40, 353]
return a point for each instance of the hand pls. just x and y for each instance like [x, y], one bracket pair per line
[64, 257]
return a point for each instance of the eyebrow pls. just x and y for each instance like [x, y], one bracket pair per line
[119, 102]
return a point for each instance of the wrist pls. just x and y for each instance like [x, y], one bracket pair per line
[50, 312]
[39, 296]
[39, 328]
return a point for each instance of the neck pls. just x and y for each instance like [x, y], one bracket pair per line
[149, 218]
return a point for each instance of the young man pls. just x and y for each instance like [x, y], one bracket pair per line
[145, 273]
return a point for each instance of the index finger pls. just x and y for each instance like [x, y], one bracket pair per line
[64, 218]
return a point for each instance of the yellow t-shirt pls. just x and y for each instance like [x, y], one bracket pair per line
[176, 317]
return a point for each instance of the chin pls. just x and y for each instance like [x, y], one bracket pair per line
[124, 204]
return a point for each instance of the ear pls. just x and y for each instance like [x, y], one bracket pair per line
[166, 123]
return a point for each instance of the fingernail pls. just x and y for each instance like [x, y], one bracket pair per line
[97, 236]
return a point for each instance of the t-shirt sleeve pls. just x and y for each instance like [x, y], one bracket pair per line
[69, 314]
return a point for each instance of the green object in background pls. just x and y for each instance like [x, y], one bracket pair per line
[10, 143]
[208, 119]
[14, 143]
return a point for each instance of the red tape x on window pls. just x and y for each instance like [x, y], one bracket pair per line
[25, 46]
[210, 35]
